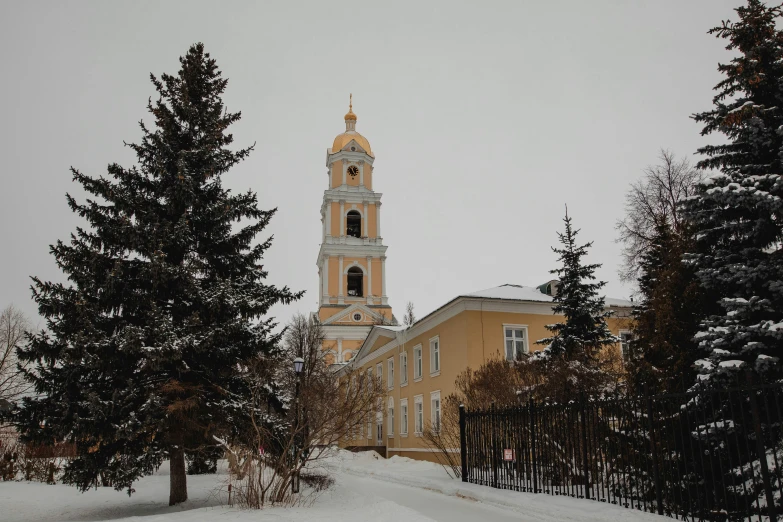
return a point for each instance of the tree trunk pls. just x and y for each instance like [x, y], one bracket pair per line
[178, 478]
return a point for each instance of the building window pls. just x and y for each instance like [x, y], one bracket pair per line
[379, 370]
[626, 336]
[418, 414]
[353, 224]
[516, 341]
[390, 373]
[435, 356]
[369, 426]
[355, 282]
[390, 431]
[369, 380]
[403, 368]
[417, 362]
[403, 416]
[435, 411]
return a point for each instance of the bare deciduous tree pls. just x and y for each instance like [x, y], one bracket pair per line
[13, 329]
[652, 199]
[287, 431]
[409, 318]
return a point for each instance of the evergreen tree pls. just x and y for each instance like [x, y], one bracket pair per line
[584, 333]
[662, 352]
[737, 213]
[166, 297]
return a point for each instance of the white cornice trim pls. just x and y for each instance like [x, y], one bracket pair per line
[352, 333]
[349, 310]
[452, 308]
[350, 155]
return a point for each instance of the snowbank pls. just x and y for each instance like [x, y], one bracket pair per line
[430, 476]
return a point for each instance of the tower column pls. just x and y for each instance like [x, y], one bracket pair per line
[361, 173]
[342, 220]
[378, 218]
[364, 221]
[340, 299]
[339, 349]
[383, 279]
[345, 171]
[325, 278]
[369, 280]
[328, 219]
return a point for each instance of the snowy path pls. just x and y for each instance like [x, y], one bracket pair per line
[435, 506]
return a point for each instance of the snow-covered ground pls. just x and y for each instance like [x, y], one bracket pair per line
[366, 488]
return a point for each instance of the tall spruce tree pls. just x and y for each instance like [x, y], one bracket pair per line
[166, 297]
[666, 318]
[738, 213]
[584, 333]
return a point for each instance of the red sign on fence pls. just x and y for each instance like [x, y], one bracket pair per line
[508, 454]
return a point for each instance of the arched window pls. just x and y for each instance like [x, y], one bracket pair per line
[355, 282]
[354, 224]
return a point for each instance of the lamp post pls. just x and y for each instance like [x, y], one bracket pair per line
[298, 366]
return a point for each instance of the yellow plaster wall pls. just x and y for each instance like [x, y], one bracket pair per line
[377, 277]
[368, 176]
[334, 276]
[335, 209]
[466, 339]
[337, 174]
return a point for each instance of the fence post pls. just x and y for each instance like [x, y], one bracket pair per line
[654, 450]
[754, 406]
[583, 401]
[494, 446]
[532, 417]
[463, 446]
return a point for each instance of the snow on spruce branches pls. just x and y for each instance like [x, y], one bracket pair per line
[166, 297]
[738, 212]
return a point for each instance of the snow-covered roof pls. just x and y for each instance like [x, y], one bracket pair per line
[529, 293]
[391, 328]
[508, 291]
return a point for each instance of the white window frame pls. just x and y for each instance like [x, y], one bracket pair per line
[370, 386]
[525, 340]
[624, 350]
[436, 413]
[418, 363]
[403, 417]
[435, 356]
[379, 370]
[403, 369]
[390, 420]
[418, 417]
[369, 426]
[390, 373]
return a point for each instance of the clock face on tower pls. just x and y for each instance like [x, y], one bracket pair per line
[353, 170]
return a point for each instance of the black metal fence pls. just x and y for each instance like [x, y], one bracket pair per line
[715, 455]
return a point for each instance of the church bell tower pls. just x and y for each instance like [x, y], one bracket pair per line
[352, 258]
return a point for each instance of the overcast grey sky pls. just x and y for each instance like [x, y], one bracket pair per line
[485, 119]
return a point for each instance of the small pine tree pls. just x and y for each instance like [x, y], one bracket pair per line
[737, 213]
[584, 332]
[141, 357]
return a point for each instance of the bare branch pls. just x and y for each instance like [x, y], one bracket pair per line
[654, 199]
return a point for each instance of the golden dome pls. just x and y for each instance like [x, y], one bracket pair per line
[342, 140]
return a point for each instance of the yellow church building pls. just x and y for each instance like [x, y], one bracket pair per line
[417, 364]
